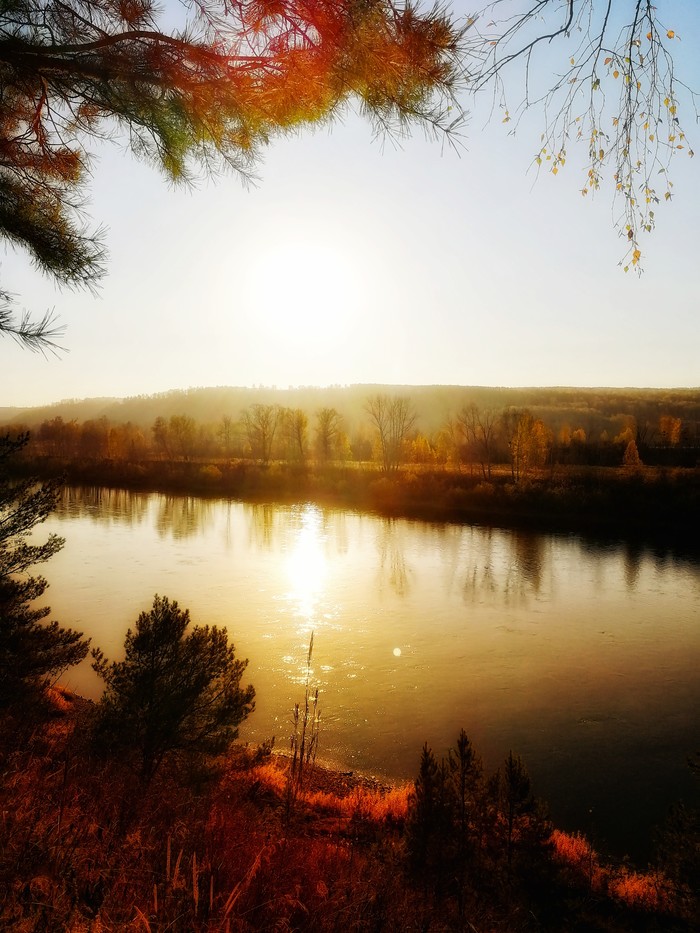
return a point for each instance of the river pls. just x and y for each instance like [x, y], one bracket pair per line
[583, 658]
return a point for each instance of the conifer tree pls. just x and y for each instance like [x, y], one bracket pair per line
[205, 95]
[33, 653]
[174, 690]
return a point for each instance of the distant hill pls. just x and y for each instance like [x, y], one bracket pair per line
[588, 408]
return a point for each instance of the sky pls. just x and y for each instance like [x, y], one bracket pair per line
[353, 260]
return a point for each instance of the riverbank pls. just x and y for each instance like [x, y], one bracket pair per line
[657, 505]
[86, 846]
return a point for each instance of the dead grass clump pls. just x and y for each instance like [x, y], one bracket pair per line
[644, 891]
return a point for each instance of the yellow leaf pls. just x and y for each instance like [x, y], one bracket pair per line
[616, 74]
[636, 256]
[554, 170]
[671, 34]
[667, 101]
[601, 154]
[651, 137]
[667, 196]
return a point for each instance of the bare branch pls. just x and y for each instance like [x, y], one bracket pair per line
[617, 94]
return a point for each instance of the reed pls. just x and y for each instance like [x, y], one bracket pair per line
[306, 723]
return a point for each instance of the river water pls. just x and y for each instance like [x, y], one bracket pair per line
[582, 658]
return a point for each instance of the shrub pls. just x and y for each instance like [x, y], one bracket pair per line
[173, 691]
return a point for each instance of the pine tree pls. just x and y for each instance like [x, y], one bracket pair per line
[205, 96]
[425, 814]
[467, 779]
[174, 691]
[33, 654]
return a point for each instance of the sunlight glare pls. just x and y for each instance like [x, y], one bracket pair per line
[305, 292]
[307, 565]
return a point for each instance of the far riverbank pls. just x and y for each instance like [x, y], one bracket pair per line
[656, 505]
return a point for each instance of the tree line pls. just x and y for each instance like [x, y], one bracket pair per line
[476, 439]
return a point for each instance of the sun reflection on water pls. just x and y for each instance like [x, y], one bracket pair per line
[306, 565]
[306, 568]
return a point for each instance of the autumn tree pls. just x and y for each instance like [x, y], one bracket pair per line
[392, 418]
[630, 458]
[602, 75]
[126, 442]
[328, 433]
[59, 438]
[422, 450]
[161, 437]
[261, 423]
[479, 429]
[94, 438]
[204, 95]
[182, 434]
[528, 441]
[296, 431]
[226, 433]
[670, 430]
[175, 691]
[33, 652]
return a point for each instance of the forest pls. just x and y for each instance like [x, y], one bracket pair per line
[620, 462]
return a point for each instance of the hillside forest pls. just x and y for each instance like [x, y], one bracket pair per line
[446, 425]
[618, 461]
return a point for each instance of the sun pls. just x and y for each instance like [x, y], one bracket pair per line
[306, 292]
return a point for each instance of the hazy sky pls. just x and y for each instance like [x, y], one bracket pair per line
[355, 262]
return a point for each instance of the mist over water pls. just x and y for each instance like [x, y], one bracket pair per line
[581, 658]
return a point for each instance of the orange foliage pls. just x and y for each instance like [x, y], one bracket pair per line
[645, 891]
[639, 890]
[361, 802]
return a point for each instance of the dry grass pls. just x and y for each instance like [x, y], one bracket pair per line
[83, 847]
[640, 890]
